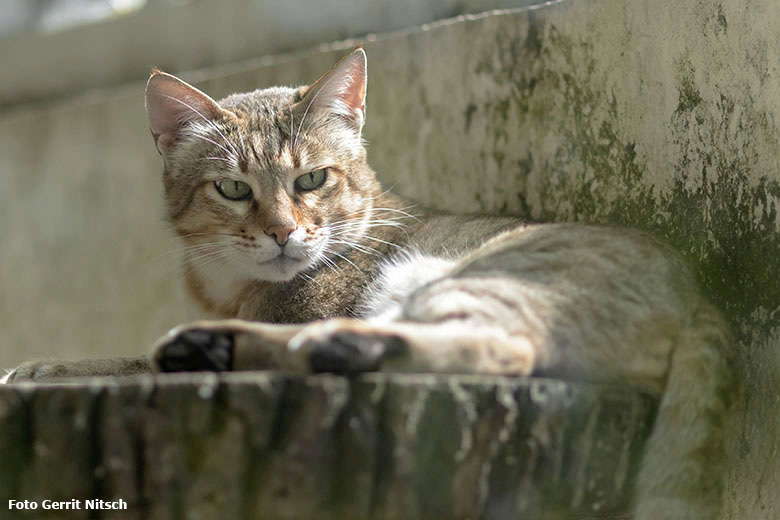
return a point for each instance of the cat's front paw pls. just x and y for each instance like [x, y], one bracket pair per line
[195, 350]
[38, 370]
[346, 347]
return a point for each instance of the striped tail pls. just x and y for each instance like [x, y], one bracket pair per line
[682, 472]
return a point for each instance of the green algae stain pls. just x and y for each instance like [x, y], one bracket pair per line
[735, 246]
[716, 214]
[689, 94]
[722, 22]
[471, 108]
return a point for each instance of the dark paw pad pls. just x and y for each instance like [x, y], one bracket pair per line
[351, 352]
[197, 351]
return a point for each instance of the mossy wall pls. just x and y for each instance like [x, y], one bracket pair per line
[661, 116]
[603, 112]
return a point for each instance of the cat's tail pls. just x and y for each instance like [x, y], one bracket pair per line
[682, 474]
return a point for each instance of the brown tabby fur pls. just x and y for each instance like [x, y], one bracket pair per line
[392, 287]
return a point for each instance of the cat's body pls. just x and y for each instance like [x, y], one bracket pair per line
[285, 222]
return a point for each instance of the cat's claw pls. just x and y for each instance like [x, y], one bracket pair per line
[196, 350]
[350, 352]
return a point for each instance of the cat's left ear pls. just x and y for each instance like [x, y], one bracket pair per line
[340, 91]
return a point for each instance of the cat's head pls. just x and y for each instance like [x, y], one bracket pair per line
[266, 184]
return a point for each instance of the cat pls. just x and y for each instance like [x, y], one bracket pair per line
[315, 267]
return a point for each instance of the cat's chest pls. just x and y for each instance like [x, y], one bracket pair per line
[220, 288]
[397, 278]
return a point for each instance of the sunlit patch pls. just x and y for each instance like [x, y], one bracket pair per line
[302, 157]
[286, 160]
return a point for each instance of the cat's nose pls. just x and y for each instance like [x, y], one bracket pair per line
[281, 232]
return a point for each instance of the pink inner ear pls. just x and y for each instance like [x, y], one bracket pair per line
[354, 93]
[341, 90]
[170, 103]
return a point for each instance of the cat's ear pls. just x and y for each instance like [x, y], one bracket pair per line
[340, 91]
[171, 104]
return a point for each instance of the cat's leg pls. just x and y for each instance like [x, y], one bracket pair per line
[345, 346]
[44, 370]
[455, 346]
[199, 346]
[226, 345]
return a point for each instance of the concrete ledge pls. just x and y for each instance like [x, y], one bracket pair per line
[257, 445]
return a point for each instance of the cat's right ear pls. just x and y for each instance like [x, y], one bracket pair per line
[171, 104]
[340, 91]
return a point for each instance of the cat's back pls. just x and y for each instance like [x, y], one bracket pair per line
[453, 236]
[613, 269]
[572, 250]
[556, 250]
[566, 266]
[588, 298]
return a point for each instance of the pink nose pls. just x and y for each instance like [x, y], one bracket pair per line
[281, 232]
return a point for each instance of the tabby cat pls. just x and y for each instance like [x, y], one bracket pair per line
[290, 235]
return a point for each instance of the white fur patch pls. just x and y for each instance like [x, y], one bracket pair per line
[4, 379]
[398, 279]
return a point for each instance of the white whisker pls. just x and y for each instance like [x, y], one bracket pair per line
[390, 210]
[369, 237]
[330, 263]
[209, 258]
[310, 278]
[292, 121]
[209, 233]
[345, 259]
[174, 256]
[208, 122]
[354, 245]
[212, 141]
[388, 190]
[303, 118]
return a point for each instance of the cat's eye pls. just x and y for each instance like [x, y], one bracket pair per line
[311, 180]
[233, 190]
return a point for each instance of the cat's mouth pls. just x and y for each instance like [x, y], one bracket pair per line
[280, 268]
[282, 259]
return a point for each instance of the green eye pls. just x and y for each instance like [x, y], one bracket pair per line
[311, 180]
[233, 190]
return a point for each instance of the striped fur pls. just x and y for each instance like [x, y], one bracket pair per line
[410, 289]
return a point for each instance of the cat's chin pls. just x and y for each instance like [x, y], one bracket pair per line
[281, 269]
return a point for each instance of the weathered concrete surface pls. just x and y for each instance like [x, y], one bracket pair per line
[180, 35]
[81, 227]
[660, 116]
[323, 447]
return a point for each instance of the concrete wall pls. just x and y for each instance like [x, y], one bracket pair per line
[660, 116]
[178, 35]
